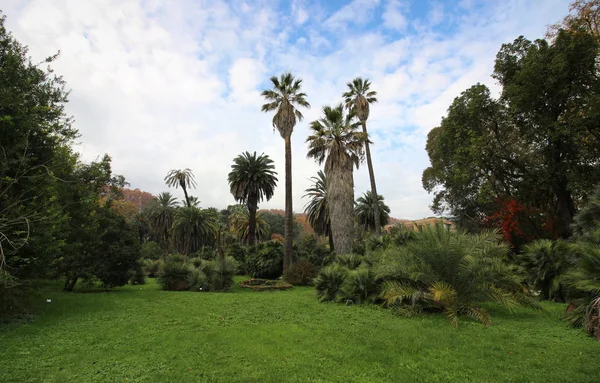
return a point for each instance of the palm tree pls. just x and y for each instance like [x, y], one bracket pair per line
[251, 180]
[317, 213]
[357, 99]
[161, 214]
[365, 211]
[183, 178]
[239, 223]
[285, 98]
[336, 141]
[193, 223]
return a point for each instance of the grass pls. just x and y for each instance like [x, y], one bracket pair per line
[142, 334]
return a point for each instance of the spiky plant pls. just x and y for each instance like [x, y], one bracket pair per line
[545, 261]
[251, 180]
[357, 99]
[161, 213]
[453, 272]
[365, 211]
[335, 140]
[316, 210]
[184, 178]
[284, 99]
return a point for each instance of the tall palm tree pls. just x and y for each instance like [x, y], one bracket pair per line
[357, 99]
[317, 212]
[239, 223]
[336, 141]
[161, 213]
[284, 98]
[365, 211]
[192, 223]
[252, 179]
[183, 178]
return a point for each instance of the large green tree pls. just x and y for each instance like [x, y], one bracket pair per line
[192, 225]
[535, 151]
[185, 179]
[357, 99]
[161, 214]
[365, 211]
[251, 180]
[316, 209]
[284, 99]
[335, 140]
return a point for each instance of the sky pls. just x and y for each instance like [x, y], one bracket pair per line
[162, 85]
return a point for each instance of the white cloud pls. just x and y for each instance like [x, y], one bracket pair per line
[161, 87]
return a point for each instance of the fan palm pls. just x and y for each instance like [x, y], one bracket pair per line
[193, 223]
[365, 211]
[316, 210]
[357, 99]
[161, 213]
[284, 98]
[336, 141]
[252, 179]
[183, 178]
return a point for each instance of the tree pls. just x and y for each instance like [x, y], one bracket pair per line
[240, 225]
[285, 98]
[538, 145]
[192, 223]
[336, 141]
[316, 209]
[357, 99]
[183, 178]
[365, 211]
[252, 179]
[584, 15]
[162, 214]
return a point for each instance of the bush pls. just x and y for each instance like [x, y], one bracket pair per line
[150, 250]
[239, 253]
[544, 262]
[312, 249]
[175, 276]
[152, 268]
[583, 290]
[265, 260]
[301, 273]
[350, 261]
[175, 258]
[359, 287]
[206, 253]
[222, 272]
[196, 261]
[329, 281]
[198, 281]
[137, 277]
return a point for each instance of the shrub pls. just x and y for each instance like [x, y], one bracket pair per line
[359, 287]
[239, 253]
[175, 276]
[453, 272]
[583, 290]
[137, 276]
[301, 273]
[329, 281]
[198, 281]
[312, 249]
[401, 234]
[378, 243]
[196, 261]
[206, 253]
[150, 250]
[175, 258]
[544, 262]
[350, 261]
[152, 268]
[265, 260]
[221, 273]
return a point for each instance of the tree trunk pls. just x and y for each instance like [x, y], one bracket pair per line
[70, 284]
[340, 195]
[376, 211]
[565, 209]
[289, 211]
[187, 198]
[252, 207]
[331, 246]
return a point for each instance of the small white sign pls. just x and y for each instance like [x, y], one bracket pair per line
[48, 300]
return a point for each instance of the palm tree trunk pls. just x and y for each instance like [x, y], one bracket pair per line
[252, 207]
[187, 198]
[331, 245]
[373, 186]
[340, 194]
[289, 212]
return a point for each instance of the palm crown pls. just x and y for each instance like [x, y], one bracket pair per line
[316, 209]
[252, 178]
[365, 211]
[358, 97]
[183, 178]
[336, 138]
[285, 97]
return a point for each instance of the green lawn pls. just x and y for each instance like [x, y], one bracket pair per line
[142, 334]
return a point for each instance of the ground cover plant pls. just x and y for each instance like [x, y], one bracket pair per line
[142, 334]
